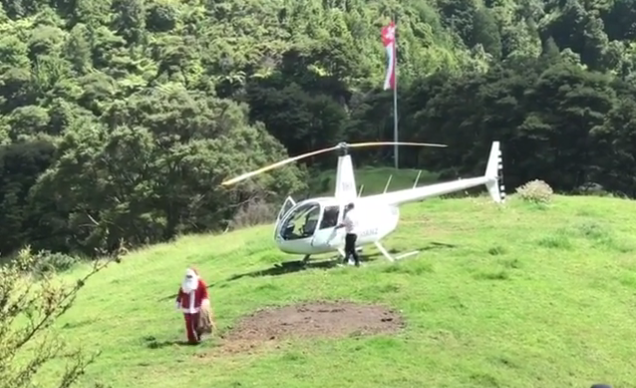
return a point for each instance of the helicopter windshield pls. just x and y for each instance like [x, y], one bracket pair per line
[301, 222]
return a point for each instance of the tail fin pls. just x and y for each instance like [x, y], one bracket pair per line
[494, 169]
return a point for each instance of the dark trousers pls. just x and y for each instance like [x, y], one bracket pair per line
[350, 248]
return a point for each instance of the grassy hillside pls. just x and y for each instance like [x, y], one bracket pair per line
[512, 297]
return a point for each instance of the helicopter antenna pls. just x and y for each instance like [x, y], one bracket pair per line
[342, 147]
[388, 182]
[417, 180]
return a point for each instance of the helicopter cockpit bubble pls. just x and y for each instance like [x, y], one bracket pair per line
[301, 222]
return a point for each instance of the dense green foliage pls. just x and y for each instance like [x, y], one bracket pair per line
[118, 118]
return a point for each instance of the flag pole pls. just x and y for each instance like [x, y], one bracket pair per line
[395, 111]
[389, 40]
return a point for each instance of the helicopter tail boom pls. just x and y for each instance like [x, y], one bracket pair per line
[490, 179]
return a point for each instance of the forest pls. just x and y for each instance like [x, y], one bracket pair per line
[119, 118]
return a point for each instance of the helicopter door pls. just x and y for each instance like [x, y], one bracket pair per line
[287, 205]
[327, 230]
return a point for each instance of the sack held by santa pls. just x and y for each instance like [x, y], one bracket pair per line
[206, 320]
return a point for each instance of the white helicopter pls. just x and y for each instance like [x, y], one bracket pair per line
[378, 215]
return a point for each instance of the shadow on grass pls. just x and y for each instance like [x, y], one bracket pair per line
[152, 343]
[300, 265]
[438, 245]
[169, 297]
[288, 267]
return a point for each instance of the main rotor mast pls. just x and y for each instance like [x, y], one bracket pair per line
[343, 148]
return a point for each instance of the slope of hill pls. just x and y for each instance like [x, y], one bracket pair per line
[518, 296]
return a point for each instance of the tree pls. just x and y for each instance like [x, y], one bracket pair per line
[31, 301]
[146, 105]
[616, 139]
[20, 166]
[486, 32]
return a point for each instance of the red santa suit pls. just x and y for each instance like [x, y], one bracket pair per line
[193, 293]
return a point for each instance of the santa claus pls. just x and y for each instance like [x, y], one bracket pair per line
[192, 296]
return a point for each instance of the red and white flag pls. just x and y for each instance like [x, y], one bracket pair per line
[388, 39]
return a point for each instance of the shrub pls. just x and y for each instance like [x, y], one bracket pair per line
[536, 191]
[46, 262]
[253, 213]
[592, 189]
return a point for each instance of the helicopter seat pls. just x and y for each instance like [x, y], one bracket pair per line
[309, 227]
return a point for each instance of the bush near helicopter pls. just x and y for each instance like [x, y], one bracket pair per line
[378, 215]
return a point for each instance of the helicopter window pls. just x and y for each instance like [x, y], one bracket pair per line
[330, 217]
[302, 222]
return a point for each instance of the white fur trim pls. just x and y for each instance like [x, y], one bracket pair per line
[205, 302]
[190, 272]
[192, 298]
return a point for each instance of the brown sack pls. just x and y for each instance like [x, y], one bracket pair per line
[206, 320]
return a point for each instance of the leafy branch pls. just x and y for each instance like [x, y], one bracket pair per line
[30, 304]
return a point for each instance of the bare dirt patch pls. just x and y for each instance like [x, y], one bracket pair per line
[306, 320]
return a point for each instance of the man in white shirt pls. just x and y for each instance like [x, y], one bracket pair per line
[349, 222]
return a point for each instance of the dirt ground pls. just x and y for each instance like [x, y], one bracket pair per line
[319, 319]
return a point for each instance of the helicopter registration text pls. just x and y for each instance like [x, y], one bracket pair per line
[368, 232]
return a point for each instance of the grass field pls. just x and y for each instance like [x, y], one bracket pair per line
[518, 296]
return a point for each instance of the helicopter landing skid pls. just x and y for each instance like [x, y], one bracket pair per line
[391, 258]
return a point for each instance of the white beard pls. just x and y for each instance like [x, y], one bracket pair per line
[190, 285]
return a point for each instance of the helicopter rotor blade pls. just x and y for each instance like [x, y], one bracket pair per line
[321, 151]
[276, 165]
[379, 143]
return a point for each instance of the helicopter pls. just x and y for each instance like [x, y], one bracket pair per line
[310, 227]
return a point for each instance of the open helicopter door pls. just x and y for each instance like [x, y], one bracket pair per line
[326, 232]
[287, 205]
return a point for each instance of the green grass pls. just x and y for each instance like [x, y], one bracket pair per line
[519, 296]
[373, 180]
